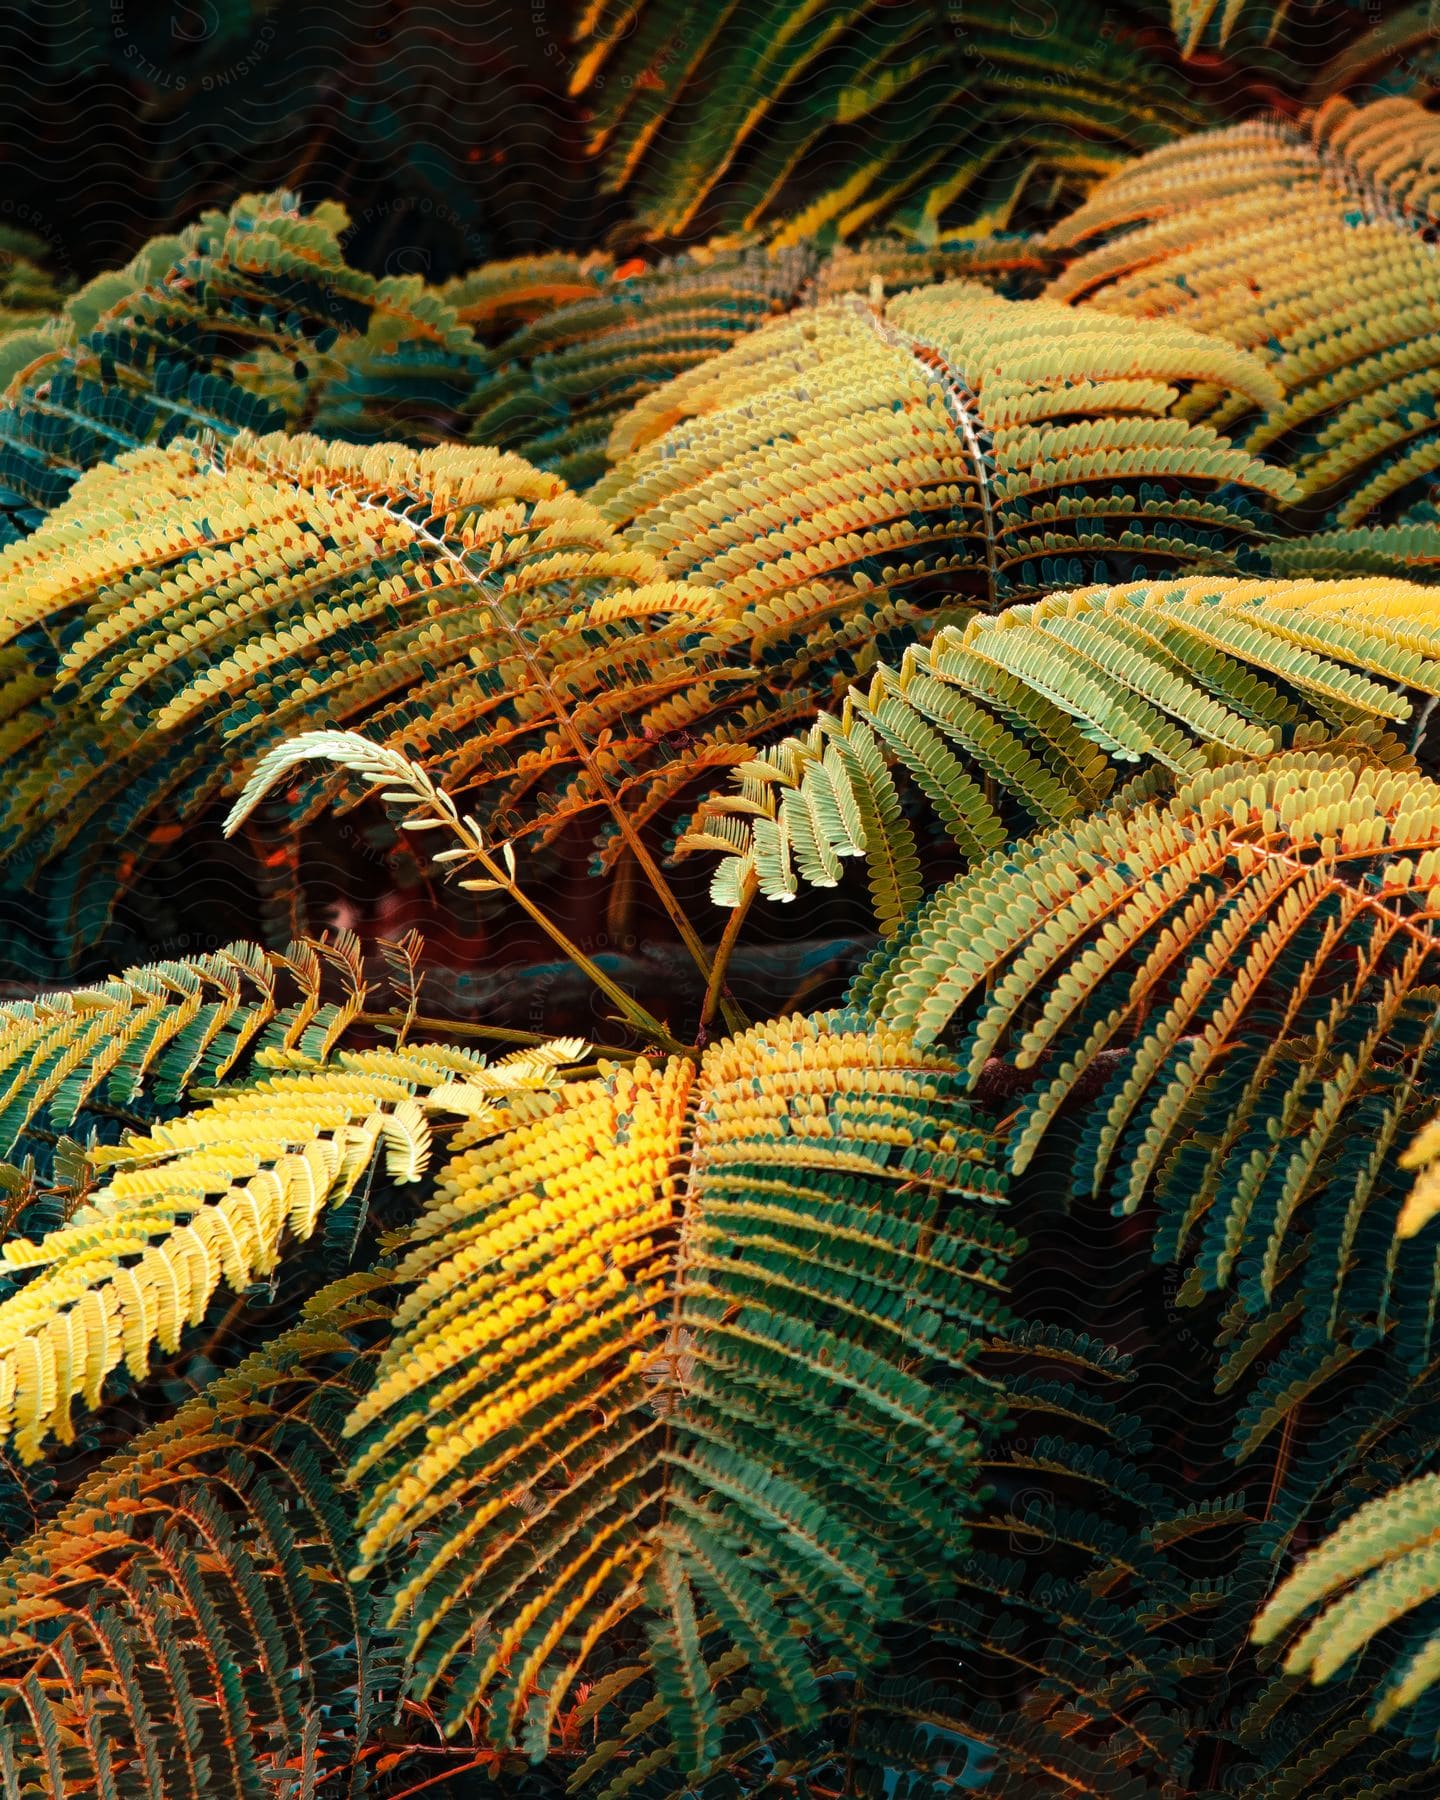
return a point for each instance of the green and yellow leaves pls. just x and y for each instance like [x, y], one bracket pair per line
[204, 331]
[655, 1328]
[1031, 716]
[814, 498]
[155, 1222]
[1231, 994]
[799, 121]
[174, 1632]
[436, 600]
[1380, 1565]
[1311, 246]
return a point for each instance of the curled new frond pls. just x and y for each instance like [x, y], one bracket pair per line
[376, 764]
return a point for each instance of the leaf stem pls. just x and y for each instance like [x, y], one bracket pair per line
[715, 990]
[425, 530]
[402, 781]
[470, 1028]
[469, 834]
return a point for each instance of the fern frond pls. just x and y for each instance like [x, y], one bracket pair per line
[405, 379]
[1248, 968]
[600, 1409]
[437, 600]
[1311, 246]
[1033, 713]
[841, 476]
[500, 297]
[1410, 549]
[556, 386]
[183, 1627]
[29, 294]
[1386, 1559]
[991, 448]
[797, 121]
[176, 1208]
[200, 332]
[154, 1030]
[545, 661]
[1011, 263]
[1424, 1202]
[202, 1200]
[579, 341]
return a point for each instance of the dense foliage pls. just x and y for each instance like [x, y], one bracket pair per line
[768, 1125]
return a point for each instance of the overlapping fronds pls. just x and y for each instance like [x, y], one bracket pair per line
[1312, 246]
[899, 1738]
[1392, 52]
[843, 475]
[657, 1330]
[684, 1440]
[1032, 716]
[1124, 1572]
[139, 1225]
[1251, 965]
[577, 341]
[145, 1038]
[555, 386]
[204, 610]
[183, 613]
[1012, 263]
[208, 1197]
[1369, 1576]
[397, 383]
[1408, 549]
[225, 327]
[796, 120]
[988, 447]
[184, 1629]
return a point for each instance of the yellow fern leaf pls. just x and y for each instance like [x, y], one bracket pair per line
[551, 1405]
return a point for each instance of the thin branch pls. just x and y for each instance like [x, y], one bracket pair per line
[715, 989]
[424, 530]
[399, 780]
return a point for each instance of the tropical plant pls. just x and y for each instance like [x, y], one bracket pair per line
[469, 609]
[1310, 244]
[795, 120]
[217, 328]
[1023, 718]
[1002, 1352]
